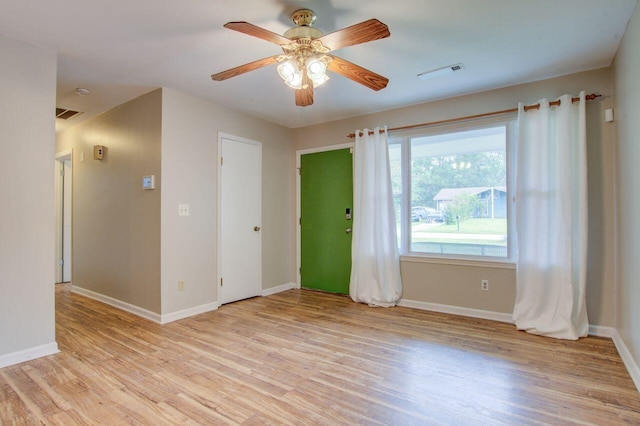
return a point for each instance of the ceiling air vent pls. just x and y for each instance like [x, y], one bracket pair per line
[439, 72]
[66, 114]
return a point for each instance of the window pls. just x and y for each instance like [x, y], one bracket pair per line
[452, 189]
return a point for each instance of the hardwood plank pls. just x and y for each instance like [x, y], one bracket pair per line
[312, 358]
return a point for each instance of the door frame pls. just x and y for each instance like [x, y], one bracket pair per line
[299, 154]
[60, 158]
[221, 136]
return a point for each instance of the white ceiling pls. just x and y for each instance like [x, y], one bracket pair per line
[120, 49]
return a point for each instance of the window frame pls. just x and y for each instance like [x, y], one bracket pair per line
[403, 138]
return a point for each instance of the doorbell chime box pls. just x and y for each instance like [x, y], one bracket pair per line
[98, 152]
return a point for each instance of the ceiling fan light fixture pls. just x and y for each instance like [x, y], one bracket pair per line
[290, 74]
[315, 68]
[317, 81]
[317, 71]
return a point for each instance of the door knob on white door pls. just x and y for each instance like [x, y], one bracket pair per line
[256, 228]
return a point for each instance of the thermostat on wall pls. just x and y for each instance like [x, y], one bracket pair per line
[148, 182]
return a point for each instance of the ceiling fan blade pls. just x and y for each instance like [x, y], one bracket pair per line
[359, 33]
[255, 31]
[357, 73]
[304, 97]
[244, 68]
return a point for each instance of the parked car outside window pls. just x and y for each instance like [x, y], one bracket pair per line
[419, 213]
[435, 216]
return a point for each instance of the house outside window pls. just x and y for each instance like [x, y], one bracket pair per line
[492, 201]
[452, 189]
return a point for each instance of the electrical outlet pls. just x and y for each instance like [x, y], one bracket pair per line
[180, 285]
[484, 285]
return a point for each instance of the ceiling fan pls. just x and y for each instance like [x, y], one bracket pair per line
[306, 57]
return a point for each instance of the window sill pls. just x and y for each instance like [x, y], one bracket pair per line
[484, 263]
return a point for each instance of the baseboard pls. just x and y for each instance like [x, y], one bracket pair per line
[185, 313]
[127, 307]
[629, 362]
[594, 330]
[167, 318]
[457, 310]
[278, 289]
[602, 331]
[28, 354]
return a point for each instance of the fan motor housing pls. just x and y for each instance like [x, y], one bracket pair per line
[304, 19]
[302, 32]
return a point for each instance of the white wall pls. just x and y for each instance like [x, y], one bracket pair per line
[459, 285]
[627, 116]
[27, 210]
[190, 128]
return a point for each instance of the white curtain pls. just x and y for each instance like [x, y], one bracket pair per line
[375, 269]
[551, 220]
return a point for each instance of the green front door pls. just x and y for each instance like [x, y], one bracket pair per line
[326, 187]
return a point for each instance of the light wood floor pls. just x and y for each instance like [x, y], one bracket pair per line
[302, 357]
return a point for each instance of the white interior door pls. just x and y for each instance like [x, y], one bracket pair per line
[63, 216]
[240, 241]
[66, 220]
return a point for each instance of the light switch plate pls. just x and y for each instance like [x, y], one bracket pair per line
[183, 209]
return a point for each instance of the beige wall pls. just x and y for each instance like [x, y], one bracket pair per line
[190, 128]
[627, 115]
[130, 244]
[27, 211]
[116, 224]
[459, 285]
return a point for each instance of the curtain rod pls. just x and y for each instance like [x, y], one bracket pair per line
[472, 117]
